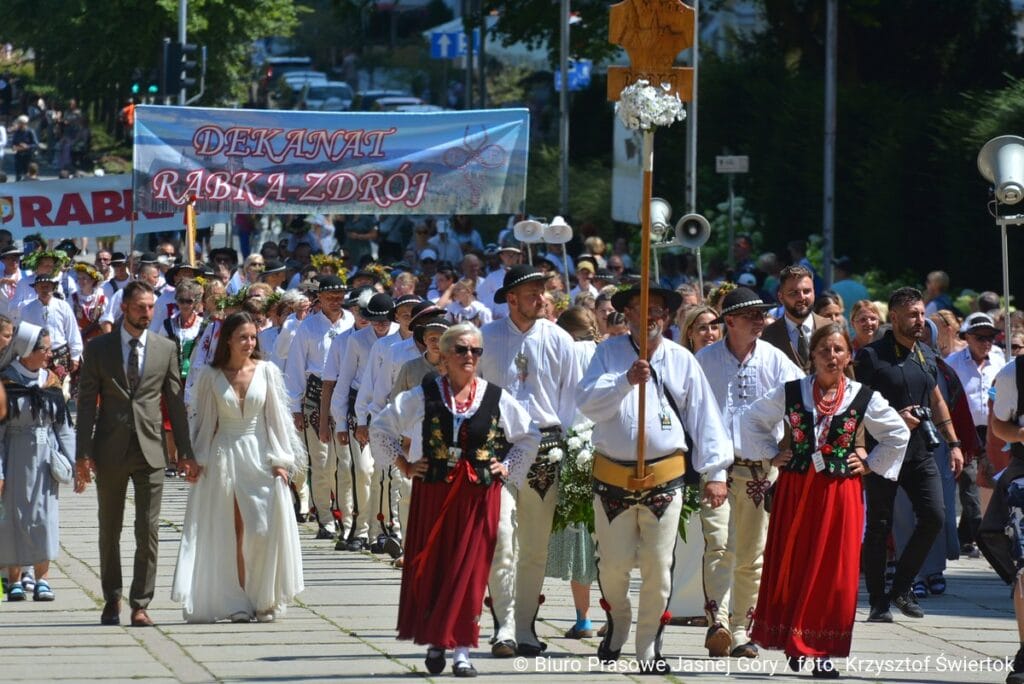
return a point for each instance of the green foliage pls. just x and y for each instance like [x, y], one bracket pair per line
[589, 187]
[536, 23]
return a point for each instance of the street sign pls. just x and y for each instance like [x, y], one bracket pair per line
[451, 44]
[579, 75]
[732, 164]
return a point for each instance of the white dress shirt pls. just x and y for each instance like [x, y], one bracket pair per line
[25, 292]
[371, 373]
[166, 306]
[794, 330]
[485, 293]
[608, 399]
[285, 337]
[545, 378]
[126, 349]
[738, 385]
[881, 421]
[395, 356]
[7, 292]
[1004, 406]
[976, 379]
[403, 419]
[59, 318]
[308, 351]
[267, 338]
[350, 373]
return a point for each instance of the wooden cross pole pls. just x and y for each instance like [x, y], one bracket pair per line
[190, 230]
[653, 33]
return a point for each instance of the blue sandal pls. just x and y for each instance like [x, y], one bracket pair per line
[16, 593]
[42, 591]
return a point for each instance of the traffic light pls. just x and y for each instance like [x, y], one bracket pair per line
[180, 67]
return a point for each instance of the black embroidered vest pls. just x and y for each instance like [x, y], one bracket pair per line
[481, 437]
[842, 432]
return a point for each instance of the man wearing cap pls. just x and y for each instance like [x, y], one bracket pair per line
[534, 360]
[845, 286]
[119, 276]
[10, 279]
[638, 524]
[510, 256]
[792, 332]
[977, 366]
[345, 414]
[274, 274]
[57, 316]
[740, 369]
[304, 371]
[372, 398]
[584, 278]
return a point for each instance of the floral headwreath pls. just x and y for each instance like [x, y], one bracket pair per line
[382, 273]
[271, 302]
[31, 260]
[337, 263]
[90, 271]
[234, 301]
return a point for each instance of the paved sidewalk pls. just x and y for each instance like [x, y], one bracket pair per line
[343, 628]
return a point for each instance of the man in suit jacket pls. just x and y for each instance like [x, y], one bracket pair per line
[124, 376]
[792, 333]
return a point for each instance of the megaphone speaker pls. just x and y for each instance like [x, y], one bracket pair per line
[528, 231]
[661, 214]
[693, 230]
[1001, 162]
[558, 232]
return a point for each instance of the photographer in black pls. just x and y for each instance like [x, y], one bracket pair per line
[904, 372]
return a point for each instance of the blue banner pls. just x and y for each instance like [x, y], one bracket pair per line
[283, 162]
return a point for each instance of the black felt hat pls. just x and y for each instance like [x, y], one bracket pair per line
[516, 276]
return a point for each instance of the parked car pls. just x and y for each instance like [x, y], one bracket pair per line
[421, 108]
[289, 87]
[390, 104]
[365, 100]
[333, 96]
[272, 68]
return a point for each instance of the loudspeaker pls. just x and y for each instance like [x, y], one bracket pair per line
[528, 231]
[661, 216]
[558, 232]
[1001, 162]
[692, 231]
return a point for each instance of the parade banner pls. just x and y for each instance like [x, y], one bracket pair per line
[285, 162]
[80, 207]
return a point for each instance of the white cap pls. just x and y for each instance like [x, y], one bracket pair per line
[747, 280]
[428, 253]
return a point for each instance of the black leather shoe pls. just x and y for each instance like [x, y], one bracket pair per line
[607, 655]
[658, 666]
[393, 546]
[747, 650]
[377, 547]
[463, 670]
[504, 649]
[880, 613]
[434, 661]
[358, 544]
[111, 614]
[531, 650]
[324, 533]
[908, 605]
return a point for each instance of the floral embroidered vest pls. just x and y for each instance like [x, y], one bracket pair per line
[481, 437]
[841, 438]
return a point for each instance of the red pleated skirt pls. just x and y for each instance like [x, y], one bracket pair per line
[449, 545]
[808, 597]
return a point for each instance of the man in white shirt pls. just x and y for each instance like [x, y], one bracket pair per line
[345, 409]
[976, 365]
[636, 523]
[534, 360]
[740, 368]
[509, 256]
[11, 258]
[445, 245]
[303, 375]
[584, 275]
[58, 318]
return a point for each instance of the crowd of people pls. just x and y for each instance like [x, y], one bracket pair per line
[424, 402]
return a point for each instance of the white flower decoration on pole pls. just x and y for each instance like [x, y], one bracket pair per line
[644, 107]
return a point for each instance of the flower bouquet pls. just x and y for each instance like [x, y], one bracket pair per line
[575, 490]
[644, 107]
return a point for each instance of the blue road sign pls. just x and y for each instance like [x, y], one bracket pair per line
[451, 44]
[579, 74]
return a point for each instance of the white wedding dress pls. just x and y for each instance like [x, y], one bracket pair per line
[238, 443]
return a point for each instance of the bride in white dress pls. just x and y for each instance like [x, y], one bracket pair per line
[240, 557]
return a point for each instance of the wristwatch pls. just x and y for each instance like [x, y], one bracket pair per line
[955, 444]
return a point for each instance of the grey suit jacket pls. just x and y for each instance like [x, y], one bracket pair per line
[109, 413]
[778, 335]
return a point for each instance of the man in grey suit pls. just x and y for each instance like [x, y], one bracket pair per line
[125, 374]
[792, 333]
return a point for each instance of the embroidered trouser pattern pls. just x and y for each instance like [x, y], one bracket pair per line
[735, 534]
[636, 536]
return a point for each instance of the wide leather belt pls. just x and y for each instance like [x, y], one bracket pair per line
[550, 437]
[621, 475]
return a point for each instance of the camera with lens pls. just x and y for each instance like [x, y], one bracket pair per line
[927, 427]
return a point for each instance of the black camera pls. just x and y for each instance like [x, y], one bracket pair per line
[927, 427]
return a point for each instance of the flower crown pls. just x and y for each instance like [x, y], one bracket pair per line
[383, 275]
[88, 270]
[30, 260]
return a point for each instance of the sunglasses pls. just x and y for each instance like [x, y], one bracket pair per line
[186, 301]
[985, 338]
[462, 350]
[1016, 347]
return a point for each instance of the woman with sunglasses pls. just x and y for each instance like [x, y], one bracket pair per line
[183, 328]
[247, 275]
[458, 437]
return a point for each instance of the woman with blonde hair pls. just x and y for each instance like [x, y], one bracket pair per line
[595, 247]
[697, 329]
[949, 332]
[248, 275]
[865, 319]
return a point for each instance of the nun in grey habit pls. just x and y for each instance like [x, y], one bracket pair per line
[37, 447]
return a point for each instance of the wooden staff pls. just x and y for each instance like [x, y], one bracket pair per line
[642, 477]
[190, 230]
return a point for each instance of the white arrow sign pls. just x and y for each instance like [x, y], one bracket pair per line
[443, 42]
